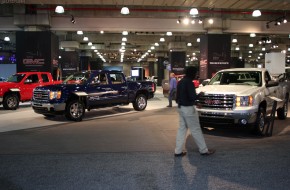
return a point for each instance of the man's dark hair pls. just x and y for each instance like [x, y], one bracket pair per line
[190, 72]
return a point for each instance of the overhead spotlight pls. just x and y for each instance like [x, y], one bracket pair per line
[284, 20]
[178, 21]
[72, 19]
[199, 21]
[59, 9]
[185, 21]
[256, 13]
[192, 21]
[193, 12]
[6, 39]
[210, 21]
[80, 32]
[234, 40]
[162, 40]
[279, 23]
[169, 33]
[252, 35]
[125, 11]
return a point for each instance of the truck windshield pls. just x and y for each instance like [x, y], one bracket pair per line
[16, 78]
[77, 78]
[253, 78]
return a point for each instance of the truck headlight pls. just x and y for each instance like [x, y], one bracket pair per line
[54, 95]
[244, 101]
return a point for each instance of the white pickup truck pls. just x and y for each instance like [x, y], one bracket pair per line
[242, 96]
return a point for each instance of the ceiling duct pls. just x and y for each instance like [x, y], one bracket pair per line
[32, 20]
[70, 44]
[177, 46]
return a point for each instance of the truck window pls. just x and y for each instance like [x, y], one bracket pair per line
[33, 78]
[100, 79]
[116, 78]
[44, 78]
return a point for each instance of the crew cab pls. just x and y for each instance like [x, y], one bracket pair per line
[243, 96]
[90, 90]
[19, 87]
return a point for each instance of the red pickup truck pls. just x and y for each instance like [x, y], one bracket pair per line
[19, 87]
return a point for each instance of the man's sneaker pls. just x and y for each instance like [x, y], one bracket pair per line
[180, 155]
[209, 152]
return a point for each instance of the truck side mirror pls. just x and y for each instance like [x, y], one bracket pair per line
[272, 83]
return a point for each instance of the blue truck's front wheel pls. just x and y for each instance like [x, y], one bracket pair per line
[140, 102]
[75, 110]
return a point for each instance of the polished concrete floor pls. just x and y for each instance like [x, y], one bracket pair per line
[120, 148]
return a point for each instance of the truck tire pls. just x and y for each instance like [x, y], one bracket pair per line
[140, 102]
[260, 124]
[282, 112]
[11, 102]
[75, 110]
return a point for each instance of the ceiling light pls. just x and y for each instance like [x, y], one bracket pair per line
[156, 44]
[86, 39]
[162, 40]
[80, 32]
[250, 52]
[198, 40]
[263, 49]
[199, 21]
[124, 39]
[189, 44]
[93, 47]
[125, 33]
[192, 21]
[284, 20]
[210, 21]
[123, 43]
[102, 32]
[169, 33]
[278, 22]
[237, 48]
[193, 11]
[90, 44]
[234, 40]
[6, 39]
[256, 13]
[185, 21]
[125, 11]
[252, 35]
[152, 47]
[251, 45]
[59, 9]
[178, 21]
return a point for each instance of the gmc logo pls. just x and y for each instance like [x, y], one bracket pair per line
[212, 102]
[38, 95]
[33, 61]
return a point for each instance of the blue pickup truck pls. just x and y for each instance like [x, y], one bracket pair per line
[90, 90]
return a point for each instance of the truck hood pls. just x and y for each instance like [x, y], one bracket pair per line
[228, 89]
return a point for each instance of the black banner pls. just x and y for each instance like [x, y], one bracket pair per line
[177, 61]
[36, 51]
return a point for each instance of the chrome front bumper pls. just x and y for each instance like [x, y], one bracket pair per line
[48, 106]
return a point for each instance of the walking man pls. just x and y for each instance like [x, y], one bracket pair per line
[188, 116]
[172, 89]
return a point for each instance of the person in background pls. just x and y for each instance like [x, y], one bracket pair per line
[188, 116]
[172, 89]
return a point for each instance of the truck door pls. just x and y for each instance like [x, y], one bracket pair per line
[119, 86]
[28, 84]
[99, 91]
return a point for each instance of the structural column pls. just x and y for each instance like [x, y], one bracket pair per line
[215, 54]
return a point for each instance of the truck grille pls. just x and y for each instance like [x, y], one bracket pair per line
[217, 101]
[41, 95]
